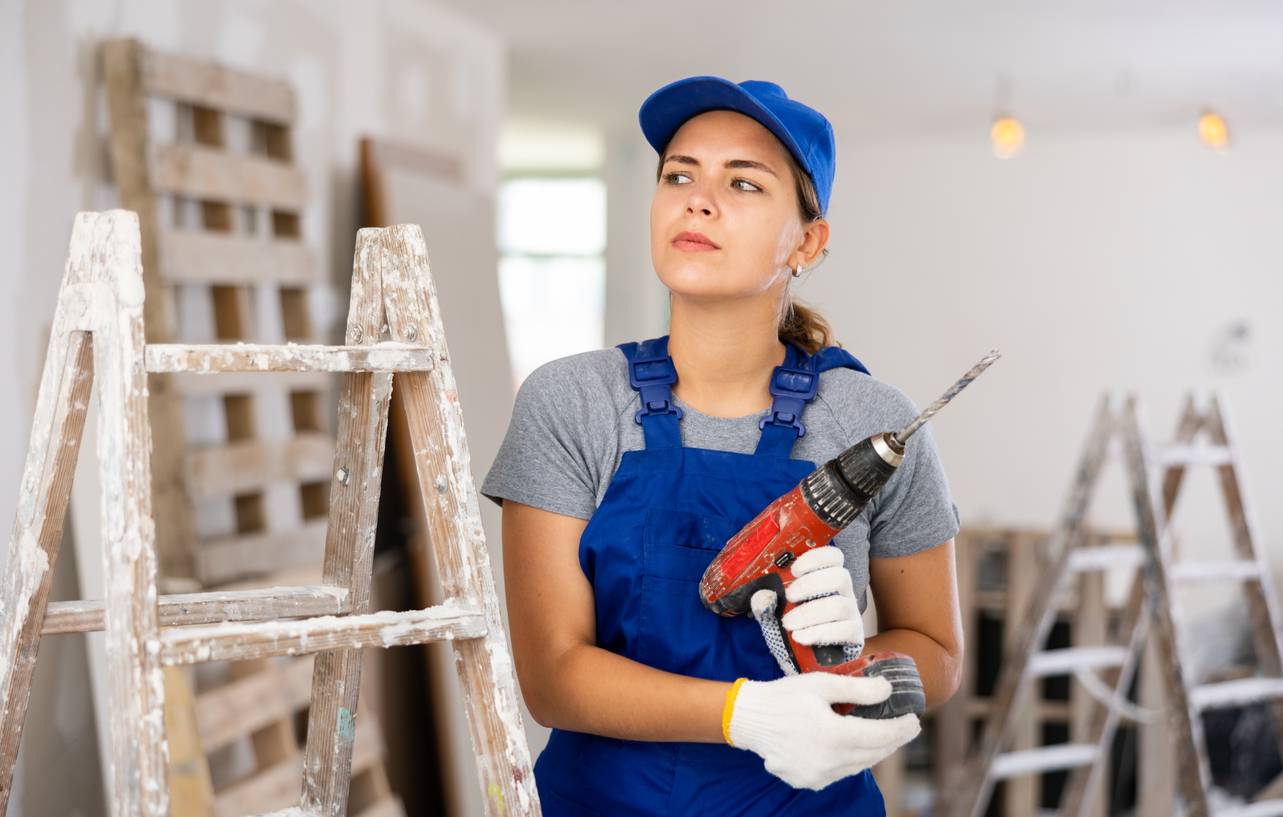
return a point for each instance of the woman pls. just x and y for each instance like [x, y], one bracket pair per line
[626, 469]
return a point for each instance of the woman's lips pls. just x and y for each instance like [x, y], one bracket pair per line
[693, 242]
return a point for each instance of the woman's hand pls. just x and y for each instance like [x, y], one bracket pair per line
[790, 722]
[826, 611]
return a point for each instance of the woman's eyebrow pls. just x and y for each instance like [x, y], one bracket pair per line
[681, 158]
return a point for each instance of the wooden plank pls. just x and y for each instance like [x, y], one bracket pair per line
[205, 173]
[236, 468]
[221, 560]
[105, 246]
[52, 449]
[238, 641]
[203, 608]
[250, 702]
[459, 550]
[126, 104]
[205, 257]
[191, 788]
[212, 85]
[349, 544]
[289, 357]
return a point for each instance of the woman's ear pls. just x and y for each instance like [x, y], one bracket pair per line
[814, 240]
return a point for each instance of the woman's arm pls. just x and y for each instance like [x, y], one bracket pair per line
[569, 682]
[917, 603]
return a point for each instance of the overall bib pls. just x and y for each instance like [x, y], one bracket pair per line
[665, 515]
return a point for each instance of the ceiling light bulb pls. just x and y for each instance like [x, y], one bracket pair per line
[1213, 132]
[1007, 136]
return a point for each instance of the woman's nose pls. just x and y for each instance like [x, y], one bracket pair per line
[699, 199]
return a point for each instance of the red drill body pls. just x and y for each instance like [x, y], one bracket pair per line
[809, 516]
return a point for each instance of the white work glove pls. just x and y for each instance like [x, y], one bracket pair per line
[826, 611]
[790, 722]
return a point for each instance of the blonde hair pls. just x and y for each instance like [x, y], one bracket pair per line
[800, 325]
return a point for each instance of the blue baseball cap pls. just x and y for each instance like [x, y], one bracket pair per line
[802, 129]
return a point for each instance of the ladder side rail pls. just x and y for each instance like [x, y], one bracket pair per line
[349, 542]
[442, 461]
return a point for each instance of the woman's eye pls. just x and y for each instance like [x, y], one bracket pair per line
[672, 177]
[753, 188]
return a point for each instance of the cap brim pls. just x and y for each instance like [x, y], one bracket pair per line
[666, 109]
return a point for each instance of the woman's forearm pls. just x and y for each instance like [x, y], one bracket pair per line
[597, 691]
[940, 670]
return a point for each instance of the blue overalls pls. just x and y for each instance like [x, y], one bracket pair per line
[666, 513]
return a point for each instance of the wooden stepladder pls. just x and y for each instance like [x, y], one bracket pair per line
[1155, 475]
[98, 336]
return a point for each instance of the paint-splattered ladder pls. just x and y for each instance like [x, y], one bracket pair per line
[1150, 603]
[98, 335]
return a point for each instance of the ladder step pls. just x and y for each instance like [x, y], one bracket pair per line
[1065, 661]
[1042, 759]
[1105, 557]
[208, 607]
[1235, 693]
[1265, 808]
[1183, 454]
[387, 628]
[290, 357]
[1216, 570]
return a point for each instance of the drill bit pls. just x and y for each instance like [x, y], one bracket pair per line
[902, 436]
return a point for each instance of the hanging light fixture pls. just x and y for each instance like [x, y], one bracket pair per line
[1007, 136]
[1213, 131]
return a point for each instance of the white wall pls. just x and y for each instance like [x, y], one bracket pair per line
[1093, 261]
[407, 70]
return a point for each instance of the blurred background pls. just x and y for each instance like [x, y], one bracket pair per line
[1094, 188]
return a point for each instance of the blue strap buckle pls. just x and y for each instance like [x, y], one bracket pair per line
[793, 388]
[654, 378]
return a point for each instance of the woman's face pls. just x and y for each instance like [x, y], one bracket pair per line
[727, 177]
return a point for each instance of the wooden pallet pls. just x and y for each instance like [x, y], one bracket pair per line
[220, 204]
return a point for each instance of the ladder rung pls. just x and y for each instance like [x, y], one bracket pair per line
[1042, 759]
[1184, 454]
[290, 357]
[1265, 808]
[1105, 557]
[1235, 693]
[387, 628]
[1218, 570]
[204, 608]
[1065, 661]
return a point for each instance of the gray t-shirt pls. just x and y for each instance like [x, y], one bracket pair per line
[573, 420]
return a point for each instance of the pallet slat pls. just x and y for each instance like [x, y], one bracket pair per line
[205, 257]
[212, 85]
[205, 173]
[220, 560]
[242, 467]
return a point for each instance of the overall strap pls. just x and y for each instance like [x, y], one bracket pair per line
[794, 384]
[652, 373]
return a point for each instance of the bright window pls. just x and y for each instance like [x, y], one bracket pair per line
[552, 267]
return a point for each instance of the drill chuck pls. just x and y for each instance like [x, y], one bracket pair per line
[838, 491]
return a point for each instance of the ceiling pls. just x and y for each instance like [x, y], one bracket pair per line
[882, 70]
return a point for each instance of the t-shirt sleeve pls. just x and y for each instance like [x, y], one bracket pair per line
[915, 510]
[543, 460]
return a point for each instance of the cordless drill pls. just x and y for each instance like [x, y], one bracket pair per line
[809, 516]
